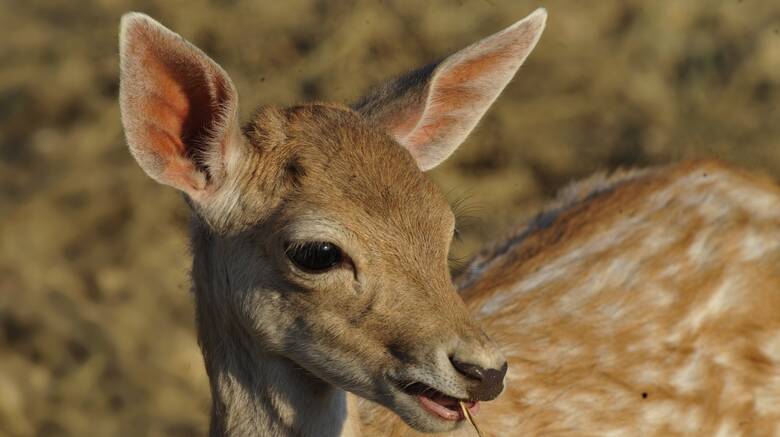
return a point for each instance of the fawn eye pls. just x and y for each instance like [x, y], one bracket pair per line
[315, 256]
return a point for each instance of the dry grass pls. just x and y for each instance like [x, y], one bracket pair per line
[470, 418]
[96, 330]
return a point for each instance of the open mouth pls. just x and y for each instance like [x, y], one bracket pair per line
[438, 403]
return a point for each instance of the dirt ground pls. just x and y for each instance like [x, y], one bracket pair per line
[96, 320]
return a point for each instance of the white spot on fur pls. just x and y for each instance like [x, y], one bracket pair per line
[691, 376]
[719, 301]
[663, 297]
[753, 246]
[671, 271]
[763, 205]
[670, 413]
[661, 199]
[728, 429]
[710, 206]
[734, 390]
[771, 347]
[767, 397]
[660, 412]
[660, 239]
[648, 375]
[496, 303]
[699, 250]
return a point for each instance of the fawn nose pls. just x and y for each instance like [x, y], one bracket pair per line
[487, 383]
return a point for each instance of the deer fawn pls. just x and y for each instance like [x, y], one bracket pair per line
[643, 303]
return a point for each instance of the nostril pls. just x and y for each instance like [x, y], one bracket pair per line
[491, 381]
[470, 370]
[495, 376]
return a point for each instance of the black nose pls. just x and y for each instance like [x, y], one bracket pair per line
[489, 382]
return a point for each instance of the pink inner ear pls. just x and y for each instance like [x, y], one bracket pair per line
[177, 102]
[470, 70]
[427, 133]
[173, 101]
[403, 122]
[456, 99]
[431, 111]
[166, 107]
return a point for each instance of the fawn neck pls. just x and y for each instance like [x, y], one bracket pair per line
[256, 392]
[269, 395]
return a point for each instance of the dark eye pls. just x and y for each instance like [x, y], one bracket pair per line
[315, 256]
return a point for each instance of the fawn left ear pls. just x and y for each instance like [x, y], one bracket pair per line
[432, 110]
[179, 107]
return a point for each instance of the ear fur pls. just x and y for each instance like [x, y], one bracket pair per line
[179, 108]
[432, 110]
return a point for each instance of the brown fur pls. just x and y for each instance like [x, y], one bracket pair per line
[642, 303]
[669, 315]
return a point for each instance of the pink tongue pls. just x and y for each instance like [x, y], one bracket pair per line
[439, 406]
[438, 409]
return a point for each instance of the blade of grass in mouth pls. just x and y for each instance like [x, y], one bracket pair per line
[467, 414]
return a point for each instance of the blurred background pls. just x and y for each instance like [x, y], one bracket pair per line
[96, 319]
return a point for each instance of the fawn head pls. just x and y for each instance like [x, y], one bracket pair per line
[320, 229]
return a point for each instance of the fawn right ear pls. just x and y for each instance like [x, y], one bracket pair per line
[431, 111]
[179, 108]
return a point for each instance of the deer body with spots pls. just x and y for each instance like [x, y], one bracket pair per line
[640, 303]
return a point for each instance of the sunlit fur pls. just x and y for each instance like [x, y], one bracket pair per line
[323, 174]
[645, 303]
[281, 345]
